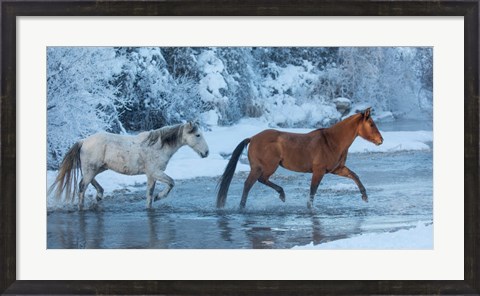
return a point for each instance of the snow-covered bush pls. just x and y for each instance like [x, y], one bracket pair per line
[289, 97]
[242, 84]
[388, 78]
[158, 98]
[81, 97]
[182, 61]
[180, 101]
[143, 73]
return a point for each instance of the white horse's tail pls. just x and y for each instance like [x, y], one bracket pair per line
[68, 174]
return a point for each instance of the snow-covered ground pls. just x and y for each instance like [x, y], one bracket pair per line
[420, 237]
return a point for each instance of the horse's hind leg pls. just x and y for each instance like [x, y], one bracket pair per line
[88, 177]
[267, 171]
[82, 187]
[98, 188]
[275, 187]
[251, 179]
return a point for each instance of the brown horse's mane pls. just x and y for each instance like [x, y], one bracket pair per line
[347, 120]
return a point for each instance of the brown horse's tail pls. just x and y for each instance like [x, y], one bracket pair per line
[228, 174]
[68, 174]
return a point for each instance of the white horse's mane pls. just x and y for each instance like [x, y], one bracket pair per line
[168, 135]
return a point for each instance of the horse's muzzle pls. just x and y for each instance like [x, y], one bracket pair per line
[205, 154]
[380, 142]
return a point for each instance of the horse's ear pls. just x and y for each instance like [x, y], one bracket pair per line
[193, 123]
[192, 127]
[366, 113]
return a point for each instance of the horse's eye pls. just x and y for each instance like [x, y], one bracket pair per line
[198, 136]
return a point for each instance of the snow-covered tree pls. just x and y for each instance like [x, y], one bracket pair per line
[156, 97]
[242, 81]
[81, 98]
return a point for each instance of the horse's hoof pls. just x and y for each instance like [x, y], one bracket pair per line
[309, 205]
[282, 197]
[365, 198]
[148, 206]
[158, 197]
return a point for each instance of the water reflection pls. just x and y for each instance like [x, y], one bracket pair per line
[152, 229]
[223, 223]
[261, 237]
[317, 231]
[77, 230]
[262, 232]
[66, 234]
[91, 228]
[162, 233]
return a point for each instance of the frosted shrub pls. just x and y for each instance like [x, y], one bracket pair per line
[290, 114]
[181, 101]
[242, 84]
[143, 75]
[80, 97]
[158, 97]
[181, 61]
[332, 82]
[388, 78]
[290, 97]
[214, 89]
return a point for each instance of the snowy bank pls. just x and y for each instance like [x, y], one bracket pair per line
[420, 237]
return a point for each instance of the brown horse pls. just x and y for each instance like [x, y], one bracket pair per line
[319, 152]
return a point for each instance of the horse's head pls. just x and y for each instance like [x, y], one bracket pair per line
[194, 138]
[368, 130]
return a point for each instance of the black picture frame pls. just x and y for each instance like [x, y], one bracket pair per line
[11, 9]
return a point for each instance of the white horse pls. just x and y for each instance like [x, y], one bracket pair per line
[146, 153]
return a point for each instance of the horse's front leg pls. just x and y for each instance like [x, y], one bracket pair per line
[164, 178]
[150, 189]
[346, 172]
[316, 179]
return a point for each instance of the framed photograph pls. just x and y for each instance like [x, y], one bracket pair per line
[125, 126]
